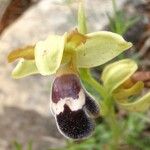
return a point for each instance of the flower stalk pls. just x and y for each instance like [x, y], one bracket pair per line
[111, 119]
[108, 102]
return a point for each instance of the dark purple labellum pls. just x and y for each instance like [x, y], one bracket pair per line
[74, 124]
[65, 86]
[91, 106]
[72, 107]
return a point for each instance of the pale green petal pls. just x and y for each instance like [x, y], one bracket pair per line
[116, 73]
[74, 39]
[24, 68]
[48, 54]
[25, 52]
[99, 48]
[139, 105]
[120, 94]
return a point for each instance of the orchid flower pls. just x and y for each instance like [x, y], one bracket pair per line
[117, 80]
[73, 107]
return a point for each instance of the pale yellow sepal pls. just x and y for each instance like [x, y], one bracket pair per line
[24, 68]
[99, 48]
[122, 93]
[49, 53]
[117, 73]
[139, 105]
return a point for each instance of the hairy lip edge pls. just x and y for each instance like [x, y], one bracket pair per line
[74, 124]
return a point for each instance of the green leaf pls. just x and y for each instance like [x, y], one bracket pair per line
[26, 53]
[99, 48]
[117, 73]
[139, 105]
[24, 68]
[49, 53]
[82, 28]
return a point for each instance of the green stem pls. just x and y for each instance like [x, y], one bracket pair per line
[89, 81]
[108, 107]
[85, 73]
[82, 27]
[114, 6]
[110, 117]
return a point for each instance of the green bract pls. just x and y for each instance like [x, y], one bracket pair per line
[86, 51]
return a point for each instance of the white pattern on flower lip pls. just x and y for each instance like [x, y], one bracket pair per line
[72, 107]
[74, 125]
[73, 104]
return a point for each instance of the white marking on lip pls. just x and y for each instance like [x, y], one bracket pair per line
[73, 104]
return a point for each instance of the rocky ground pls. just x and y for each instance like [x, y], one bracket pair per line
[24, 103]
